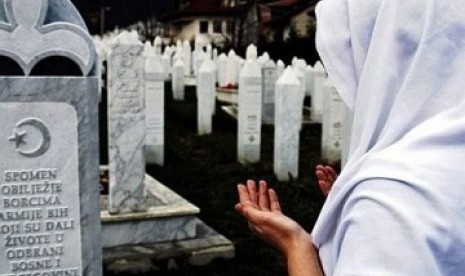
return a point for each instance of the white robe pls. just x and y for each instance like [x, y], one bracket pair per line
[398, 206]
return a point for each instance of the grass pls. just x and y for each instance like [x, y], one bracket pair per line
[205, 171]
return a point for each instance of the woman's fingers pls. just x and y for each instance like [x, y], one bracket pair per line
[274, 202]
[252, 189]
[263, 198]
[243, 192]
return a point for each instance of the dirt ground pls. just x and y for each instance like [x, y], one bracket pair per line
[204, 170]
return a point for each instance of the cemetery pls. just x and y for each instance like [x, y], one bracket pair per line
[121, 154]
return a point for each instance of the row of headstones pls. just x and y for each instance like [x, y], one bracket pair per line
[260, 94]
[285, 90]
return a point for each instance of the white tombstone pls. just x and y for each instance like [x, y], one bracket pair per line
[205, 96]
[209, 51]
[269, 83]
[215, 55]
[199, 58]
[157, 44]
[279, 68]
[332, 122]
[178, 80]
[126, 125]
[346, 134]
[155, 109]
[287, 126]
[317, 97]
[309, 80]
[187, 50]
[300, 66]
[166, 62]
[294, 62]
[233, 68]
[222, 70]
[249, 109]
[263, 58]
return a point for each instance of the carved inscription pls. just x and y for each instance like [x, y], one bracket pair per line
[269, 81]
[253, 112]
[40, 231]
[34, 222]
[155, 116]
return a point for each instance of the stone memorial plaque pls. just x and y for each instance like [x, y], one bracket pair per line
[155, 120]
[252, 98]
[49, 154]
[40, 231]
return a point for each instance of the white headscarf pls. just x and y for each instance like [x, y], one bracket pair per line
[400, 66]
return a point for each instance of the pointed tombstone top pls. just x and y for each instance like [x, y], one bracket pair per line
[157, 40]
[231, 53]
[28, 30]
[309, 68]
[294, 61]
[207, 66]
[301, 64]
[280, 63]
[318, 68]
[269, 64]
[134, 36]
[148, 49]
[222, 56]
[251, 52]
[288, 77]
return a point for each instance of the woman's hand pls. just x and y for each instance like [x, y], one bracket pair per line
[326, 176]
[263, 213]
[262, 210]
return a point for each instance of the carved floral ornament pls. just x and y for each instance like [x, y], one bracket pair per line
[26, 40]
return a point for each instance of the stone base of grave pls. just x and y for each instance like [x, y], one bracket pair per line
[227, 95]
[168, 229]
[231, 110]
[190, 80]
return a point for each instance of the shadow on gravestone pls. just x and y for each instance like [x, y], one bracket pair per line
[9, 67]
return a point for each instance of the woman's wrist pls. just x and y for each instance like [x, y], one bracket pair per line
[302, 256]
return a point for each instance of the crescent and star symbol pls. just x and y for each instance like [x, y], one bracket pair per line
[18, 137]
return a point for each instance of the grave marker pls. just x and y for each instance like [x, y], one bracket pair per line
[49, 212]
[126, 125]
[287, 126]
[269, 84]
[332, 124]
[317, 97]
[155, 109]
[178, 80]
[249, 109]
[205, 97]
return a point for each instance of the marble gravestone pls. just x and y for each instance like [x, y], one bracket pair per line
[287, 126]
[155, 108]
[269, 82]
[49, 212]
[126, 124]
[332, 124]
[222, 65]
[178, 80]
[317, 96]
[249, 109]
[205, 97]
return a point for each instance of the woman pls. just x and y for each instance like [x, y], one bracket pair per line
[398, 206]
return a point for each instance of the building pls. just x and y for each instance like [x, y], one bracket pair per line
[217, 21]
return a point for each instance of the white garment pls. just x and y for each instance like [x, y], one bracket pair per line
[398, 206]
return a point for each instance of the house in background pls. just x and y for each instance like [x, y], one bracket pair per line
[214, 21]
[287, 19]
